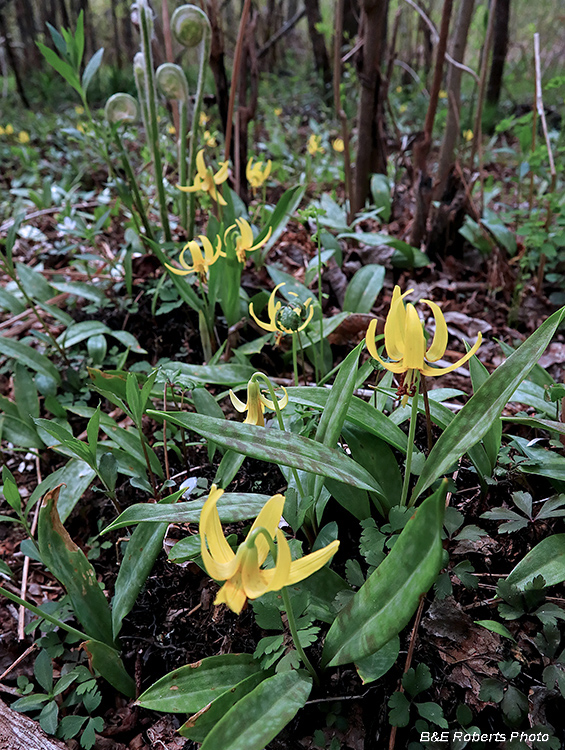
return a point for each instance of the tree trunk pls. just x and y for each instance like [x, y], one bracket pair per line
[127, 34]
[13, 60]
[321, 58]
[65, 21]
[25, 18]
[19, 732]
[116, 30]
[499, 50]
[371, 147]
[453, 125]
[217, 63]
[351, 13]
[422, 144]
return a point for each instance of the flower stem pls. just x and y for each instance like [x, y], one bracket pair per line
[294, 358]
[280, 419]
[294, 634]
[411, 434]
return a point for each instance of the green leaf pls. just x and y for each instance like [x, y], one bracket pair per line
[74, 478]
[81, 289]
[232, 507]
[491, 690]
[97, 346]
[91, 68]
[81, 331]
[72, 445]
[185, 549]
[332, 419]
[10, 490]
[432, 712]
[484, 407]
[546, 559]
[493, 437]
[20, 433]
[25, 394]
[360, 413]
[27, 356]
[70, 726]
[260, 715]
[275, 446]
[190, 688]
[364, 288]
[43, 670]
[34, 283]
[229, 375]
[384, 605]
[141, 552]
[415, 681]
[62, 67]
[399, 714]
[373, 667]
[496, 627]
[286, 206]
[107, 661]
[380, 190]
[48, 717]
[70, 566]
[10, 302]
[201, 723]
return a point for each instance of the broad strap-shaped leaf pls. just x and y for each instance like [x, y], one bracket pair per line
[260, 715]
[387, 600]
[275, 446]
[332, 419]
[546, 559]
[107, 661]
[222, 374]
[232, 507]
[141, 552]
[188, 689]
[27, 356]
[199, 725]
[483, 409]
[359, 413]
[70, 567]
[364, 288]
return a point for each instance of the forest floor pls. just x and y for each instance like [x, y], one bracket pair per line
[174, 621]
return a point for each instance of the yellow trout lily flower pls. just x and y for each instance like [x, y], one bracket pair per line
[405, 342]
[244, 241]
[206, 181]
[243, 572]
[256, 403]
[284, 319]
[200, 263]
[256, 173]
[314, 145]
[338, 145]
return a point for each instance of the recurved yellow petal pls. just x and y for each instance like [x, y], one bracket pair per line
[268, 518]
[414, 341]
[434, 371]
[306, 566]
[439, 344]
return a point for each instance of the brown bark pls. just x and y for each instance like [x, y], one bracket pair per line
[25, 18]
[499, 51]
[321, 59]
[371, 147]
[12, 59]
[217, 63]
[116, 30]
[19, 732]
[423, 144]
[453, 127]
